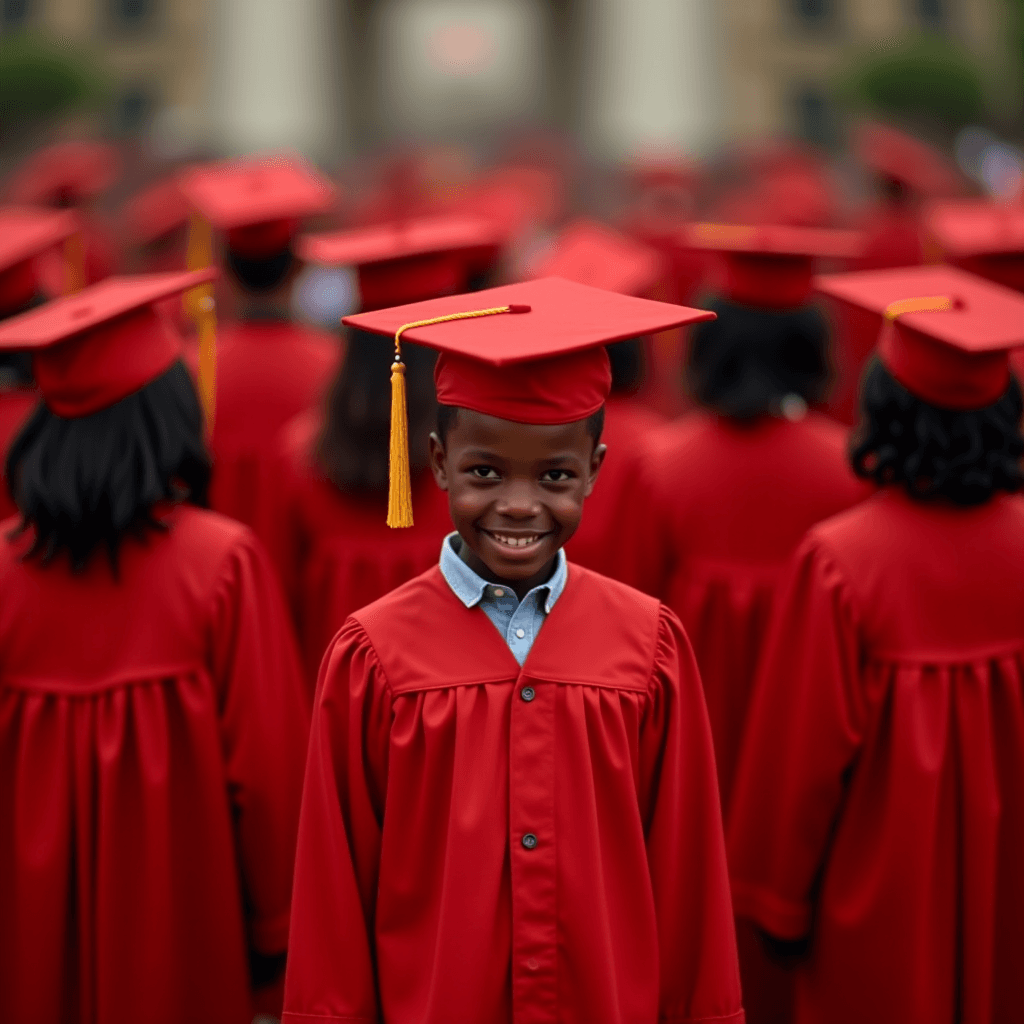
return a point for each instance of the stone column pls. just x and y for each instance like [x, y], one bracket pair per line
[652, 80]
[275, 77]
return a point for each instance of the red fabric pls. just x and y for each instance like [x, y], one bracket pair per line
[16, 405]
[267, 373]
[719, 508]
[427, 768]
[597, 544]
[71, 171]
[334, 551]
[879, 805]
[772, 282]
[561, 389]
[152, 736]
[1003, 268]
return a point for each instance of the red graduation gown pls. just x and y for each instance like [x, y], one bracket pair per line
[335, 551]
[879, 805]
[16, 405]
[152, 738]
[722, 508]
[597, 544]
[268, 371]
[416, 899]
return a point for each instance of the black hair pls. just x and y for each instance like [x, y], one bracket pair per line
[262, 273]
[749, 361]
[962, 455]
[447, 415]
[15, 370]
[91, 481]
[628, 365]
[353, 448]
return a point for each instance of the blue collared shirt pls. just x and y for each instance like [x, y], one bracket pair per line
[517, 621]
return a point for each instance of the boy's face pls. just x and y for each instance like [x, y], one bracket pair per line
[515, 491]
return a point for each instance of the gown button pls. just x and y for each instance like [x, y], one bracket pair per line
[530, 841]
[527, 693]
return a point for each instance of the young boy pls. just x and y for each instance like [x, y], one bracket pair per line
[510, 809]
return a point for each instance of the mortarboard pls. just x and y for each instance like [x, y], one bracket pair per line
[945, 334]
[65, 174]
[257, 202]
[770, 265]
[590, 253]
[894, 154]
[405, 261]
[91, 349]
[156, 211]
[981, 236]
[27, 233]
[531, 352]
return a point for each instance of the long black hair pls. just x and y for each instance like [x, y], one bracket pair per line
[749, 361]
[89, 482]
[353, 447]
[963, 456]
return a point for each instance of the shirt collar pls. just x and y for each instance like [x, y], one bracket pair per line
[470, 588]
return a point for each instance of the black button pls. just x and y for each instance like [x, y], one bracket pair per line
[527, 693]
[529, 841]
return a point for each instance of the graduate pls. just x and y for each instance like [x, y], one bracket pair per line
[980, 236]
[27, 234]
[268, 369]
[593, 254]
[510, 809]
[152, 716]
[73, 175]
[323, 513]
[877, 820]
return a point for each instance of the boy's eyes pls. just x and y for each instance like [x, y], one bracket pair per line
[551, 476]
[485, 473]
[557, 476]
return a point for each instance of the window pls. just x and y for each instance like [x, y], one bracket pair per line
[132, 14]
[814, 116]
[813, 12]
[14, 13]
[931, 13]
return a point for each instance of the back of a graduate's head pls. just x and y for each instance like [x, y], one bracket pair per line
[86, 483]
[962, 455]
[260, 274]
[750, 362]
[353, 448]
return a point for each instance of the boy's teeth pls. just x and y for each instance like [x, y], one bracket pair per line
[516, 542]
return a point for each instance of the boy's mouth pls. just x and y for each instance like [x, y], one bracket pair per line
[518, 543]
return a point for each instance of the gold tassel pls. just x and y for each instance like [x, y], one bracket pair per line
[400, 478]
[201, 310]
[929, 304]
[74, 263]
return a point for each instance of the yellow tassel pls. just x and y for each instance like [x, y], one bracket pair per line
[400, 486]
[400, 482]
[929, 304]
[74, 263]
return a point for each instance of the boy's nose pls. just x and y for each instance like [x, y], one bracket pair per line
[519, 501]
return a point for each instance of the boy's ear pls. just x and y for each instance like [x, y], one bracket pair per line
[438, 461]
[596, 462]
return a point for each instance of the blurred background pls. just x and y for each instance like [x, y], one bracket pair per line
[600, 80]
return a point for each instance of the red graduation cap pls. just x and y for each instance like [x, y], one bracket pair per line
[156, 211]
[770, 265]
[257, 202]
[896, 155]
[981, 236]
[91, 349]
[25, 234]
[66, 173]
[946, 334]
[590, 253]
[531, 352]
[405, 261]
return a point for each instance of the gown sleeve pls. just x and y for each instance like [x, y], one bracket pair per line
[686, 848]
[264, 722]
[330, 975]
[804, 729]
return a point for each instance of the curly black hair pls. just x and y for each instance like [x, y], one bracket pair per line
[89, 482]
[964, 456]
[749, 361]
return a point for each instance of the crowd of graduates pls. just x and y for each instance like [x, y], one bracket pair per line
[426, 599]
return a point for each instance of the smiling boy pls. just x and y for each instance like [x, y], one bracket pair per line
[510, 810]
